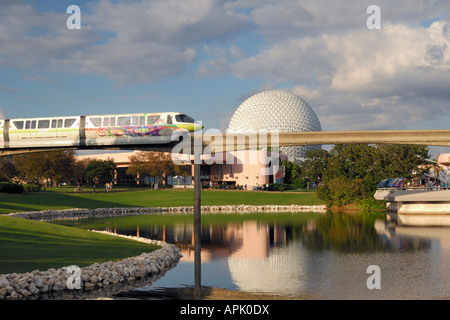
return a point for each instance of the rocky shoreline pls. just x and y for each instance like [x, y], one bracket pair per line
[96, 280]
[109, 278]
[78, 213]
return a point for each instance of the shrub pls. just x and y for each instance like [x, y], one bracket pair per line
[10, 187]
[278, 187]
[29, 187]
[340, 192]
[371, 203]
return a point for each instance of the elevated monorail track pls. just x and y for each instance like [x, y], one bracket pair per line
[232, 142]
[245, 141]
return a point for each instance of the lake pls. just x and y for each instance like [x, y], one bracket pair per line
[301, 255]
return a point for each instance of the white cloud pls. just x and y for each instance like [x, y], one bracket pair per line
[36, 39]
[353, 77]
[220, 60]
[128, 42]
[388, 78]
[306, 93]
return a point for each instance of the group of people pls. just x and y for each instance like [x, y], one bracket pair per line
[261, 187]
[108, 186]
[79, 187]
[223, 185]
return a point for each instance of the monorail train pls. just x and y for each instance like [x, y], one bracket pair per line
[95, 130]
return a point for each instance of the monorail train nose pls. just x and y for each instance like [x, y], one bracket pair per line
[198, 127]
[186, 122]
[191, 127]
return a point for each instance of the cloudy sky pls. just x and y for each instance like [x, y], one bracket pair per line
[205, 57]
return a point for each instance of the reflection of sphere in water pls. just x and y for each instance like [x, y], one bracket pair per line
[283, 271]
[276, 111]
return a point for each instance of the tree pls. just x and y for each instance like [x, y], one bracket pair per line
[79, 169]
[55, 166]
[101, 171]
[354, 170]
[292, 173]
[315, 164]
[7, 169]
[59, 166]
[30, 166]
[403, 160]
[156, 164]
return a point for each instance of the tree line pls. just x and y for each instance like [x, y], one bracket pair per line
[56, 167]
[349, 174]
[53, 168]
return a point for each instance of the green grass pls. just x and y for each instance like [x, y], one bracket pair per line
[27, 245]
[147, 198]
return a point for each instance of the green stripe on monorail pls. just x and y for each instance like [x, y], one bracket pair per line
[41, 130]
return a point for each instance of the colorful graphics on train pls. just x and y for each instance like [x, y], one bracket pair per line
[134, 131]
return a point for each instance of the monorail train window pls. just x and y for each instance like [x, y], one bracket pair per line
[112, 121]
[184, 118]
[152, 119]
[69, 122]
[169, 119]
[134, 120]
[106, 121]
[18, 124]
[57, 123]
[96, 121]
[142, 120]
[30, 124]
[43, 124]
[124, 121]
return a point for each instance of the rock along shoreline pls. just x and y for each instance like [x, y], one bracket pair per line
[109, 278]
[77, 213]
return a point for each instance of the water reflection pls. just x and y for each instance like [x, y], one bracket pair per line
[197, 258]
[318, 256]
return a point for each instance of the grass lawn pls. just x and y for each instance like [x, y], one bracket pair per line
[27, 245]
[148, 198]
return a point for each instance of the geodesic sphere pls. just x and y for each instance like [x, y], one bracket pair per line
[276, 111]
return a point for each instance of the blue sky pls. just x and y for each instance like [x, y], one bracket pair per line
[205, 57]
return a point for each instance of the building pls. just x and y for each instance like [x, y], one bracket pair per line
[276, 111]
[444, 160]
[246, 168]
[251, 168]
